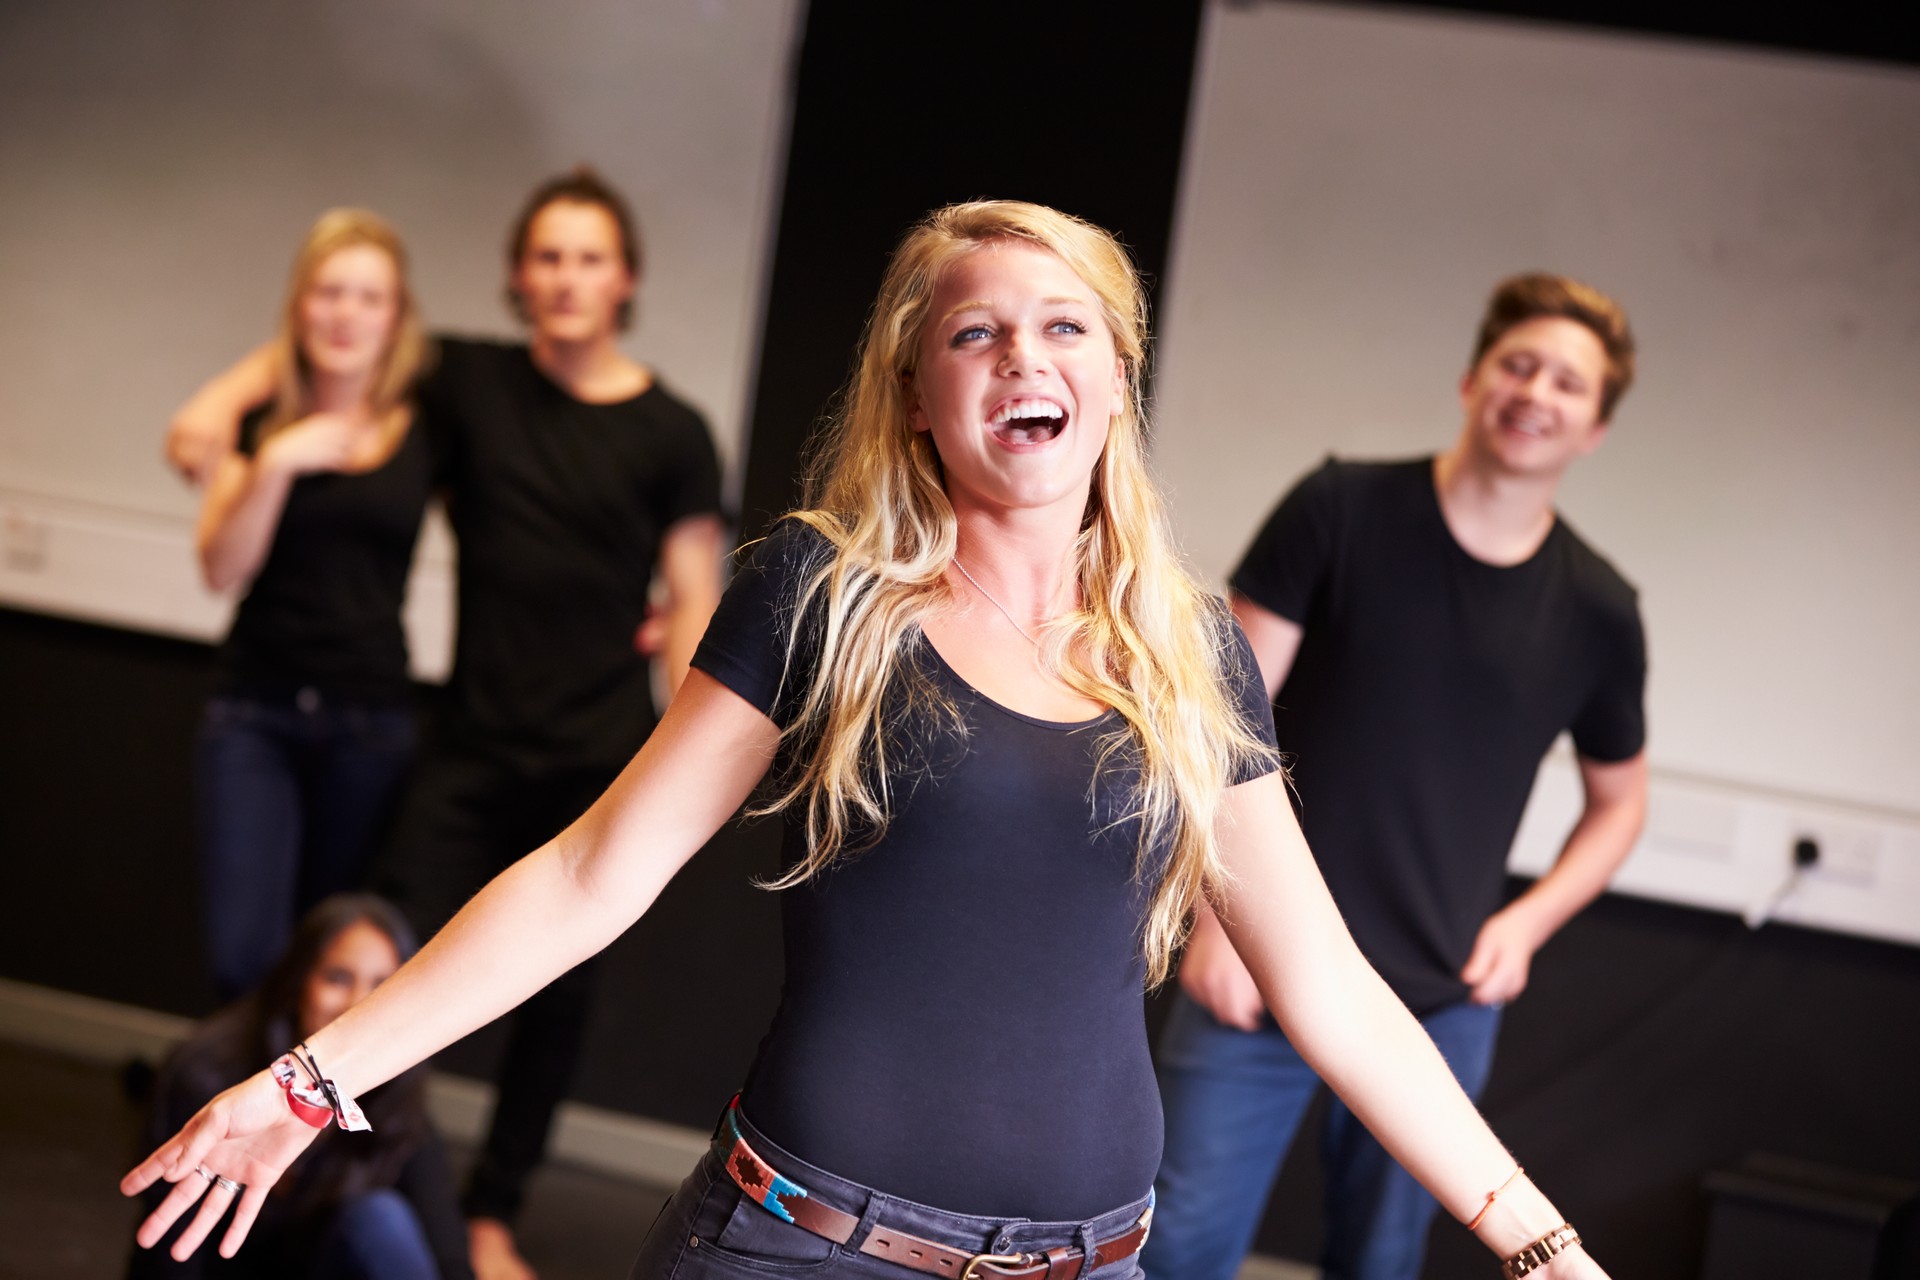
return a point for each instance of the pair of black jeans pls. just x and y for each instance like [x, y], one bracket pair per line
[473, 811]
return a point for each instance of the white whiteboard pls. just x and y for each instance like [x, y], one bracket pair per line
[1355, 182]
[162, 161]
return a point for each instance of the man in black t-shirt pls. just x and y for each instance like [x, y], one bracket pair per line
[1427, 629]
[573, 481]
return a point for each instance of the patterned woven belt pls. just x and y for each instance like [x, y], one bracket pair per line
[789, 1200]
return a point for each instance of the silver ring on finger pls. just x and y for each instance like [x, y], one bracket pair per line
[206, 1173]
[226, 1184]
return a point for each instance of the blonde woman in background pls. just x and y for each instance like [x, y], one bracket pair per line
[1014, 746]
[313, 517]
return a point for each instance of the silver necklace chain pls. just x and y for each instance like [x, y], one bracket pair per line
[995, 603]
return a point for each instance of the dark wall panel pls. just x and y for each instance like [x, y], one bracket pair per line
[1656, 1044]
[1077, 105]
[96, 834]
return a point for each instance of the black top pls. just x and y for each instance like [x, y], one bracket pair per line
[298, 1209]
[962, 1018]
[324, 610]
[1427, 686]
[559, 507]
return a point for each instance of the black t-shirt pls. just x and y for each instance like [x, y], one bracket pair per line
[559, 507]
[324, 610]
[962, 1019]
[1427, 687]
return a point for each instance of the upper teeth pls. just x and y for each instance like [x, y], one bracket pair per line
[1025, 408]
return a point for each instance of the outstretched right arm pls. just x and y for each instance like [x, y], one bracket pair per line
[539, 918]
[203, 430]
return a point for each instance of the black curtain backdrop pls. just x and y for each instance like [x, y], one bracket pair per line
[899, 110]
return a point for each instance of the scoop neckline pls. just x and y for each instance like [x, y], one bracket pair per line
[1058, 726]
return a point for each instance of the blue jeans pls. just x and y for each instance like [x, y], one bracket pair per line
[710, 1230]
[374, 1236]
[1233, 1101]
[293, 796]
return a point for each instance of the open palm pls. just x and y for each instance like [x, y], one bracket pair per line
[247, 1135]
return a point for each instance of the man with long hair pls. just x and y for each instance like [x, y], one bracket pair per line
[1426, 630]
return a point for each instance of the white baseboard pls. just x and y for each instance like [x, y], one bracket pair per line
[646, 1151]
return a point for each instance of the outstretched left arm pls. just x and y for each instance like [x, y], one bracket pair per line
[1616, 808]
[1348, 1025]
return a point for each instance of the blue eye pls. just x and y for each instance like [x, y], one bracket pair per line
[969, 333]
[1067, 326]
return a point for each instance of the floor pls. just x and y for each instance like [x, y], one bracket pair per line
[67, 1133]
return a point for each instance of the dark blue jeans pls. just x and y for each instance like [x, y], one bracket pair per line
[294, 795]
[1233, 1101]
[374, 1236]
[710, 1230]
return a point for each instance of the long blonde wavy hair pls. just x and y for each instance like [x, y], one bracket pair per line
[1145, 640]
[408, 350]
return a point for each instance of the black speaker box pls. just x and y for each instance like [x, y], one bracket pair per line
[1774, 1218]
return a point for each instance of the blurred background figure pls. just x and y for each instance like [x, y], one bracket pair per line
[363, 1206]
[304, 746]
[574, 481]
[1426, 628]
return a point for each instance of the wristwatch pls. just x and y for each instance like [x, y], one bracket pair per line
[1540, 1252]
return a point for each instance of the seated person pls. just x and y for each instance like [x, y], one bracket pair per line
[363, 1206]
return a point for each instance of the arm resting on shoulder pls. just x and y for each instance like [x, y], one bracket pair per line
[203, 430]
[546, 913]
[1616, 809]
[1348, 1025]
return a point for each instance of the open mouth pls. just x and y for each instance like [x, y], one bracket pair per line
[1028, 421]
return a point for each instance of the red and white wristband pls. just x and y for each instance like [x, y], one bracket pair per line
[317, 1100]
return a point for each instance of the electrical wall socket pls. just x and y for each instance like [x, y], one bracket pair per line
[1848, 851]
[1728, 846]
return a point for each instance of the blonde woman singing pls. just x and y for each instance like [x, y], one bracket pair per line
[1014, 745]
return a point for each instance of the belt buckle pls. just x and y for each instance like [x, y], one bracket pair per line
[990, 1259]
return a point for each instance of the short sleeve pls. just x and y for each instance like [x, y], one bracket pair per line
[1612, 725]
[1289, 556]
[746, 646]
[1249, 695]
[690, 479]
